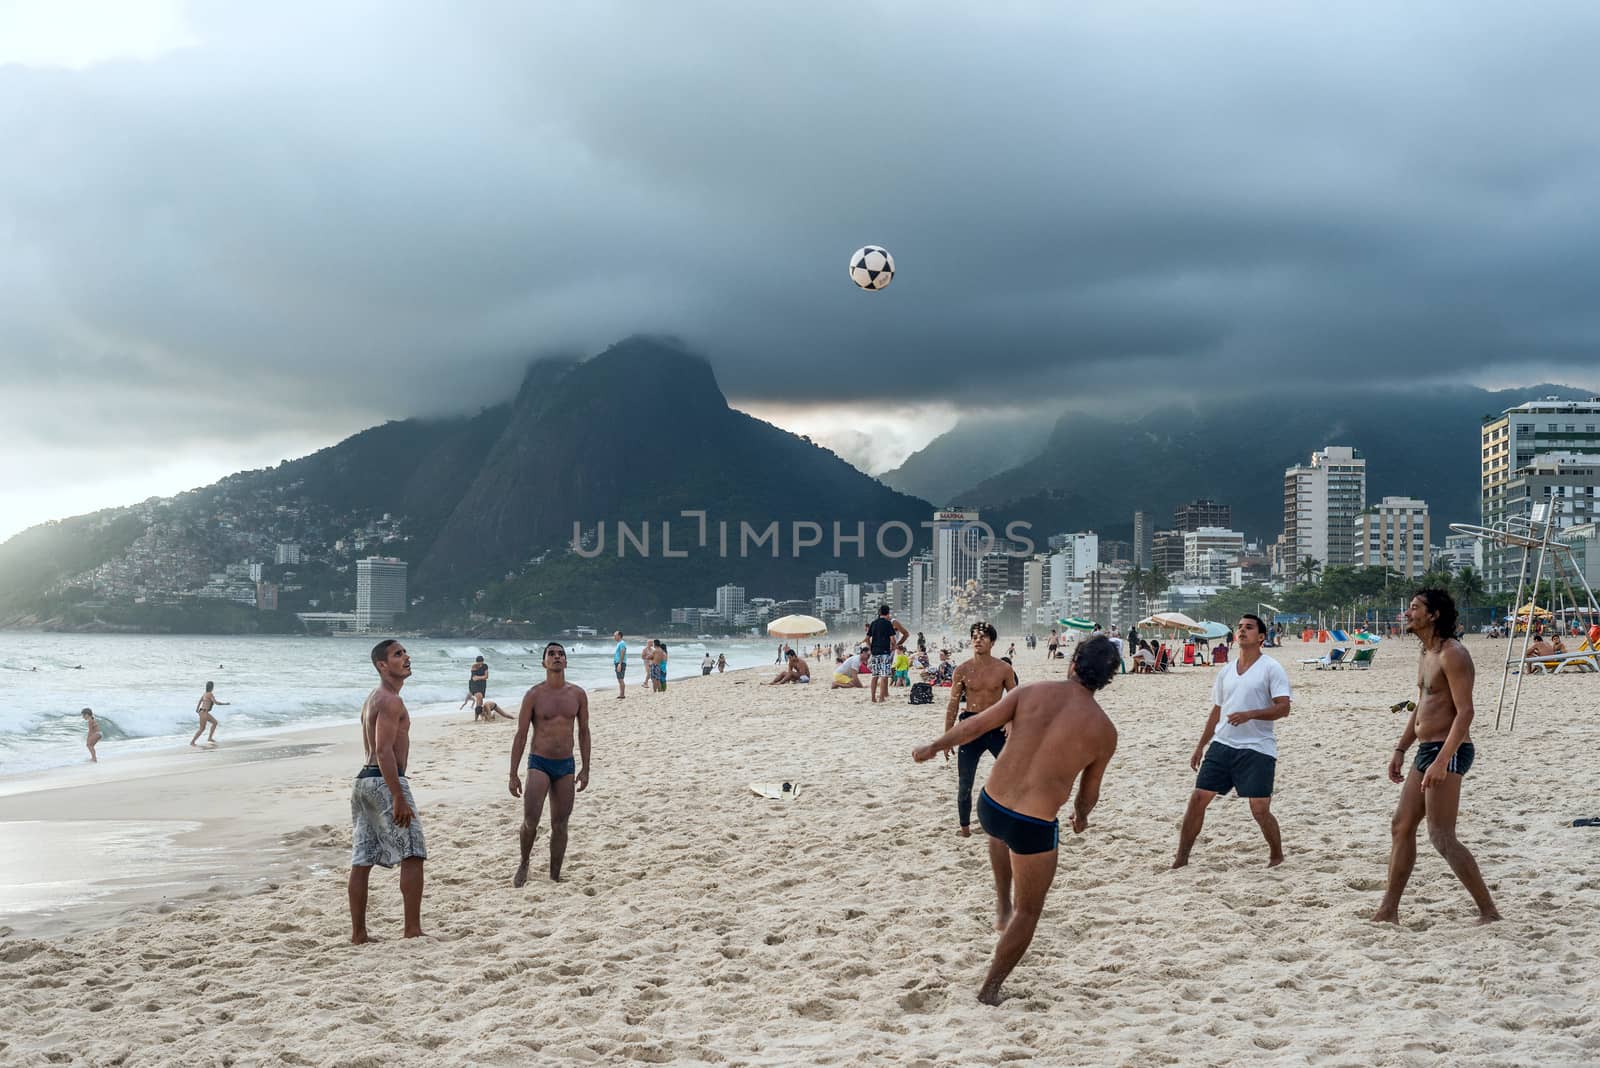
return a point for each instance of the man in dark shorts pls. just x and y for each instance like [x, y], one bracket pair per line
[881, 637]
[981, 681]
[1441, 722]
[386, 828]
[619, 661]
[1246, 699]
[1058, 731]
[551, 709]
[477, 686]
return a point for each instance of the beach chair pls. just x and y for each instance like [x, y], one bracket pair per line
[1585, 658]
[1362, 658]
[1333, 660]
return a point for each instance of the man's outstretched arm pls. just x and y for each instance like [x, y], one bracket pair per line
[966, 730]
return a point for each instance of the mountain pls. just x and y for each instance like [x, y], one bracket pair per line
[483, 508]
[1094, 472]
[968, 453]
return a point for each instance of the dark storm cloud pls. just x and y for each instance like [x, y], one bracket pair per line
[316, 220]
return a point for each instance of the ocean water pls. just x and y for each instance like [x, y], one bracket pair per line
[143, 689]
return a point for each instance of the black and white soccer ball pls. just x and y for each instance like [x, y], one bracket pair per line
[872, 267]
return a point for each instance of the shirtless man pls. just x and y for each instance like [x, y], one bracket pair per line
[208, 700]
[1432, 790]
[1057, 731]
[550, 708]
[492, 709]
[796, 671]
[386, 828]
[983, 680]
[93, 736]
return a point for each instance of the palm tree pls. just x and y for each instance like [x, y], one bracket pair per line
[1308, 570]
[1468, 587]
[1155, 583]
[1134, 584]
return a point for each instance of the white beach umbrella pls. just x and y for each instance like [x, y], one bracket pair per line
[797, 627]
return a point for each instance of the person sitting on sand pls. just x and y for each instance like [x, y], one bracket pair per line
[490, 710]
[797, 670]
[1057, 732]
[552, 709]
[93, 736]
[208, 700]
[847, 673]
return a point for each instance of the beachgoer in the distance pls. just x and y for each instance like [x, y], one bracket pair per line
[661, 666]
[1246, 699]
[847, 673]
[93, 737]
[1441, 723]
[882, 635]
[552, 708]
[922, 643]
[706, 664]
[797, 670]
[722, 663]
[981, 681]
[647, 657]
[1057, 731]
[478, 685]
[492, 709]
[902, 666]
[203, 707]
[619, 662]
[386, 828]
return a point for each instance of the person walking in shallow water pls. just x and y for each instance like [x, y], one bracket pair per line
[208, 700]
[1441, 723]
[93, 737]
[551, 710]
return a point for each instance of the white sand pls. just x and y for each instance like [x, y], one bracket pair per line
[699, 924]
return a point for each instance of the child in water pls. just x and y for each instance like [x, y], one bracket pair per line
[94, 733]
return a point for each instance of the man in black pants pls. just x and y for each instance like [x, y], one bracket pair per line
[983, 680]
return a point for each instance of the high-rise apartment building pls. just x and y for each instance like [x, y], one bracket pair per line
[1321, 500]
[730, 602]
[1395, 533]
[288, 553]
[1566, 482]
[380, 592]
[1202, 513]
[1510, 443]
[831, 583]
[1210, 552]
[958, 542]
[1143, 535]
[1166, 551]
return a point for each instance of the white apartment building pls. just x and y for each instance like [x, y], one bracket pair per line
[957, 545]
[1321, 500]
[1510, 443]
[1396, 534]
[380, 592]
[1209, 552]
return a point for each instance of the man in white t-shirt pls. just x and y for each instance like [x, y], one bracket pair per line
[847, 675]
[1247, 698]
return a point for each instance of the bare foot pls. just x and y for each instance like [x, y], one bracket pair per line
[418, 934]
[989, 994]
[964, 832]
[1179, 862]
[1275, 861]
[555, 875]
[1488, 917]
[361, 938]
[521, 876]
[1386, 916]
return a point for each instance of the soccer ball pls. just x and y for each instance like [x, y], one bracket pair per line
[872, 267]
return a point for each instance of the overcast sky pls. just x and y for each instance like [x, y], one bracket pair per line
[231, 233]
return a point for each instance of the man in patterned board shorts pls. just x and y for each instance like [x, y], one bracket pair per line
[386, 829]
[881, 634]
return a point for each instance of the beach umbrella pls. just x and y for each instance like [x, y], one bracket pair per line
[1211, 630]
[1077, 623]
[1175, 620]
[797, 627]
[1538, 613]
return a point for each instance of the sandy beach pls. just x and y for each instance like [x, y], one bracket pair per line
[701, 924]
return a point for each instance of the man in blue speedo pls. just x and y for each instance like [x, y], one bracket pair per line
[551, 708]
[1058, 731]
